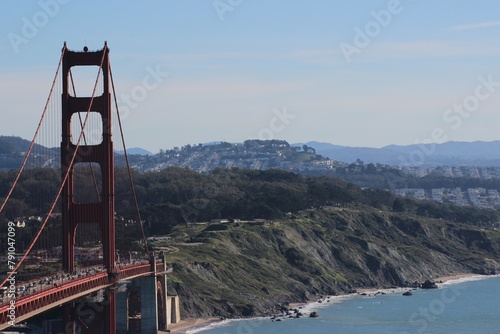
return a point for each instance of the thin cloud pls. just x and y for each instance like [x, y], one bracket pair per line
[475, 26]
[431, 49]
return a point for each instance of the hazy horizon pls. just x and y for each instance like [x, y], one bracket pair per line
[291, 143]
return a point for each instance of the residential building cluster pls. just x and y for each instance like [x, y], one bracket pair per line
[252, 154]
[453, 171]
[480, 197]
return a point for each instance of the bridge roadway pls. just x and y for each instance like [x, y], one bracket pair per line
[46, 299]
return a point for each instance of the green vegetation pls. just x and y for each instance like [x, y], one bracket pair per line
[176, 196]
[279, 237]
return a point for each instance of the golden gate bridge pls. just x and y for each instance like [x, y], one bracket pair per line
[84, 248]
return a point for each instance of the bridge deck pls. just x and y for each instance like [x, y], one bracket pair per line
[44, 300]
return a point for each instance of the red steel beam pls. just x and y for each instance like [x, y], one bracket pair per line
[33, 304]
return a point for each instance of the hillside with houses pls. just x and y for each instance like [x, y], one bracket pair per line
[251, 154]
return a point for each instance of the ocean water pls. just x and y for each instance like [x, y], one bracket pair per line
[470, 305]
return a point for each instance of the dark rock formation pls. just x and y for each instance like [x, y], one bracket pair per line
[428, 285]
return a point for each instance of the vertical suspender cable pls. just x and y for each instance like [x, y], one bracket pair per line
[128, 164]
[28, 153]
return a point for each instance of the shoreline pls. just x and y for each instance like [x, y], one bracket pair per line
[195, 325]
[445, 279]
[189, 324]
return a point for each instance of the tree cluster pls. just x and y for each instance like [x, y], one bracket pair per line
[178, 196]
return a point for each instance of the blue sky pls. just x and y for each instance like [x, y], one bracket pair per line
[357, 73]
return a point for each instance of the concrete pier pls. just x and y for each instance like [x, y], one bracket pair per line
[143, 305]
[173, 310]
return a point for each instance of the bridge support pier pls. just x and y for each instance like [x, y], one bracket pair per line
[122, 312]
[168, 306]
[144, 306]
[173, 310]
[136, 307]
[149, 310]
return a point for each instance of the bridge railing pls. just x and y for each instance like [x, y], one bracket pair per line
[58, 294]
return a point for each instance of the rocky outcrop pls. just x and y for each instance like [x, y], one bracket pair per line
[428, 285]
[314, 315]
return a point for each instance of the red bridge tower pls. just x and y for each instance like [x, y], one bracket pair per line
[101, 212]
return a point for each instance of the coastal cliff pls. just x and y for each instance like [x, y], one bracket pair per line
[255, 268]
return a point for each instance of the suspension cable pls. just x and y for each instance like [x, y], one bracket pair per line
[64, 180]
[32, 144]
[128, 164]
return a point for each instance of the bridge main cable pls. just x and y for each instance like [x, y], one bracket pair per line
[66, 175]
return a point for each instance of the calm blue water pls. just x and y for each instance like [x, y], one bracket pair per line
[469, 307]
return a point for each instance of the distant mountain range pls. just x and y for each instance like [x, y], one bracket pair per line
[136, 150]
[478, 153]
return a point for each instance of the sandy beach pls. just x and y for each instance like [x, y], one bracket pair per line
[188, 324]
[453, 277]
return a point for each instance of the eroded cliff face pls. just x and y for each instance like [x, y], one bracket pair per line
[248, 269]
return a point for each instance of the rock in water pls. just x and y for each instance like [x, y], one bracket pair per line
[428, 285]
